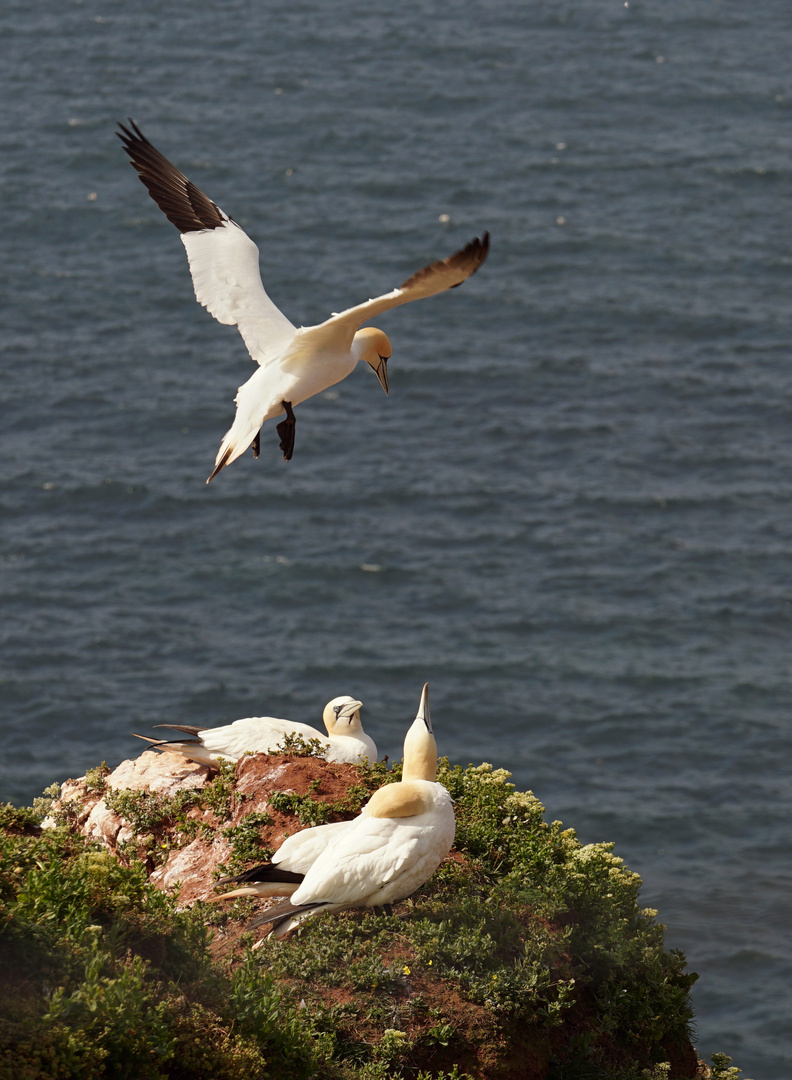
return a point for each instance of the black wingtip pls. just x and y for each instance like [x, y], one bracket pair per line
[127, 137]
[182, 203]
[477, 249]
[279, 913]
[479, 246]
[266, 872]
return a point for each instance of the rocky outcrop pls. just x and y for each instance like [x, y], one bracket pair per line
[188, 821]
[83, 801]
[525, 955]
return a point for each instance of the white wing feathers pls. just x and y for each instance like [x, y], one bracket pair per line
[362, 858]
[259, 734]
[224, 263]
[300, 851]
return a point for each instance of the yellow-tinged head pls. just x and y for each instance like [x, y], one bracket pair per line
[420, 748]
[417, 792]
[373, 346]
[342, 716]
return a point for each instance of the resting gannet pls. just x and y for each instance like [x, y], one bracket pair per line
[391, 848]
[294, 363]
[346, 741]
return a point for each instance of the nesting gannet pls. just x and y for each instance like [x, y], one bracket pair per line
[345, 741]
[294, 363]
[384, 854]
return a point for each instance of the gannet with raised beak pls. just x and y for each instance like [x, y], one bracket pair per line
[294, 363]
[346, 741]
[389, 850]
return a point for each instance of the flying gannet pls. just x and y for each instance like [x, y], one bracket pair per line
[294, 363]
[346, 741]
[384, 854]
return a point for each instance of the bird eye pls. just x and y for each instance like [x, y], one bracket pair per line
[337, 709]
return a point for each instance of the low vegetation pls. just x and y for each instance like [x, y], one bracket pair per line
[527, 955]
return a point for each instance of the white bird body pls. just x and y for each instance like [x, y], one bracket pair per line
[379, 860]
[293, 377]
[346, 741]
[294, 363]
[389, 850]
[300, 851]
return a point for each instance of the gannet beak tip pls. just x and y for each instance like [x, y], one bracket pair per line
[423, 708]
[381, 371]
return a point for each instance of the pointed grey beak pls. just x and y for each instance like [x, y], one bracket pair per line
[346, 712]
[423, 709]
[381, 371]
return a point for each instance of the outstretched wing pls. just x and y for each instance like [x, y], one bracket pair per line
[224, 261]
[430, 280]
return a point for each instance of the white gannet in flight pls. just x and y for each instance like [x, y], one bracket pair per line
[294, 363]
[389, 850]
[346, 741]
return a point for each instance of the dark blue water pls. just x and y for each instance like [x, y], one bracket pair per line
[572, 515]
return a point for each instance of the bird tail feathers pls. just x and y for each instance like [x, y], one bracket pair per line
[176, 745]
[186, 728]
[265, 872]
[195, 751]
[284, 916]
[235, 442]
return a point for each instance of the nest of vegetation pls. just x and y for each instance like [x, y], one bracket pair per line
[525, 956]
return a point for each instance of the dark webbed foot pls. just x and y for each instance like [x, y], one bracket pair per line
[256, 444]
[286, 431]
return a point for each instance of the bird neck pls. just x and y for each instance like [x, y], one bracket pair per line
[420, 753]
[401, 800]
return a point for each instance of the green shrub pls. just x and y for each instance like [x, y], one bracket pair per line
[102, 979]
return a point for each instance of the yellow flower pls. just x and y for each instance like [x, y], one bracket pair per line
[406, 970]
